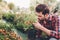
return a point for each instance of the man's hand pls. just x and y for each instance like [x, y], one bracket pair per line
[37, 25]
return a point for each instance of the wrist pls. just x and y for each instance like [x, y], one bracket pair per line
[45, 30]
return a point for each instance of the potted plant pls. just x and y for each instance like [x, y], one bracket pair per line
[25, 21]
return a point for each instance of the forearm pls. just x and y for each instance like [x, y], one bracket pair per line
[48, 32]
[39, 26]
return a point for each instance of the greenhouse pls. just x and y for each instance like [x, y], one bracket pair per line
[21, 20]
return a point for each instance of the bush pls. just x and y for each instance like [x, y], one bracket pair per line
[6, 26]
[9, 17]
[25, 21]
[6, 35]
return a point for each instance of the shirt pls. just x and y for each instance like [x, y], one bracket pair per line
[56, 32]
[53, 24]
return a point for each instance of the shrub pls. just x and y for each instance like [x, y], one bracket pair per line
[6, 35]
[25, 21]
[6, 26]
[9, 17]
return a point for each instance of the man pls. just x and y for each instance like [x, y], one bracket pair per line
[50, 24]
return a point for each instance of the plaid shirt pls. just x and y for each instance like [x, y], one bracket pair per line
[53, 24]
[56, 32]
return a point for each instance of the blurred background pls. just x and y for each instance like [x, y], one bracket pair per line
[13, 12]
[31, 4]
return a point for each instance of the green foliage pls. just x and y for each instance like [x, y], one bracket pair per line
[9, 17]
[5, 29]
[1, 0]
[6, 26]
[25, 21]
[1, 37]
[7, 35]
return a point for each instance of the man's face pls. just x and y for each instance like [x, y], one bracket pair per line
[40, 16]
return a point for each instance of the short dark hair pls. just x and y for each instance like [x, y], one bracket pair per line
[42, 8]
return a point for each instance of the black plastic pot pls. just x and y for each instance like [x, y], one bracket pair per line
[31, 34]
[21, 29]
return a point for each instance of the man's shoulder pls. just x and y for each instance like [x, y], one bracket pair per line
[53, 17]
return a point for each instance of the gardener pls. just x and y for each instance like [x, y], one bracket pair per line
[47, 23]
